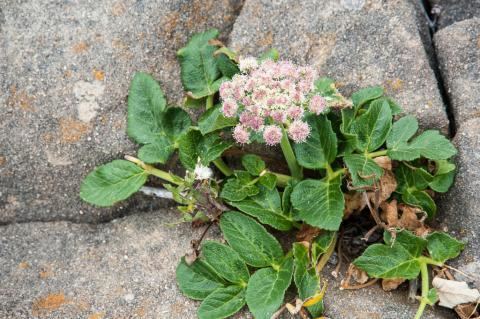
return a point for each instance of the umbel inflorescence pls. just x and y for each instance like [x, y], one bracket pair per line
[269, 97]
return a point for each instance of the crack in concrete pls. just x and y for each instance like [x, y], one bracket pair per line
[431, 16]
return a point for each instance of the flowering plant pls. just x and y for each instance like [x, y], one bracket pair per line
[360, 163]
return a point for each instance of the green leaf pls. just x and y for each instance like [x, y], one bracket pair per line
[373, 127]
[266, 289]
[157, 152]
[319, 203]
[228, 67]
[444, 176]
[266, 207]
[422, 200]
[213, 120]
[235, 190]
[320, 148]
[253, 164]
[191, 103]
[365, 95]
[199, 69]
[226, 261]
[268, 180]
[431, 144]
[432, 296]
[250, 240]
[443, 247]
[383, 261]
[411, 178]
[305, 278]
[402, 131]
[112, 182]
[364, 170]
[396, 109]
[193, 146]
[222, 303]
[146, 104]
[198, 280]
[271, 54]
[325, 86]
[321, 244]
[287, 193]
[413, 244]
[175, 123]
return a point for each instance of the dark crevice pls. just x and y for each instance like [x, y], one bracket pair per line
[431, 14]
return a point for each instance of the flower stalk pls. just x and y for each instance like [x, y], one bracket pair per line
[292, 163]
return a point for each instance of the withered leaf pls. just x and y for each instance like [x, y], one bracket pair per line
[354, 202]
[392, 284]
[384, 162]
[452, 293]
[468, 311]
[308, 233]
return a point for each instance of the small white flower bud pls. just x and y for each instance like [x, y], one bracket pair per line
[202, 172]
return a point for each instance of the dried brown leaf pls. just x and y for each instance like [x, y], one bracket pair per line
[359, 275]
[386, 186]
[308, 233]
[354, 202]
[392, 284]
[468, 311]
[452, 293]
[384, 162]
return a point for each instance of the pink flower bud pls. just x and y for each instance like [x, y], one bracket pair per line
[272, 135]
[241, 135]
[299, 131]
[317, 104]
[229, 108]
[295, 112]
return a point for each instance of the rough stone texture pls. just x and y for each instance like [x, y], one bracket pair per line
[459, 207]
[373, 302]
[458, 52]
[456, 10]
[64, 76]
[358, 43]
[121, 269]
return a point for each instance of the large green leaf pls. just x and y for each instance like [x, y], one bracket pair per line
[384, 261]
[175, 123]
[305, 278]
[444, 176]
[235, 190]
[253, 164]
[213, 120]
[266, 207]
[364, 170]
[361, 97]
[319, 203]
[226, 261]
[112, 182]
[422, 200]
[402, 131]
[157, 152]
[227, 66]
[193, 146]
[222, 303]
[411, 178]
[250, 240]
[320, 148]
[266, 289]
[199, 70]
[443, 247]
[321, 244]
[146, 104]
[413, 244]
[373, 127]
[198, 280]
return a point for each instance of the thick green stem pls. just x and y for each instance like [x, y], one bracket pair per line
[169, 177]
[209, 102]
[282, 179]
[425, 288]
[287, 150]
[377, 153]
[223, 167]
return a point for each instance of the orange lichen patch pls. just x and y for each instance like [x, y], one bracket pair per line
[478, 42]
[3, 160]
[20, 99]
[49, 303]
[98, 315]
[169, 24]
[99, 75]
[267, 40]
[80, 47]
[67, 74]
[119, 8]
[395, 84]
[45, 273]
[71, 130]
[23, 265]
[140, 312]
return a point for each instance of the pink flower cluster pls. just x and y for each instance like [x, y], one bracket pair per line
[270, 96]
